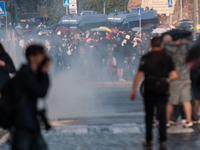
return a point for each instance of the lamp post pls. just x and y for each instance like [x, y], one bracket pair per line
[197, 8]
[181, 9]
[104, 6]
[194, 20]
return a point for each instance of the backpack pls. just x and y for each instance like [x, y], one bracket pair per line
[157, 82]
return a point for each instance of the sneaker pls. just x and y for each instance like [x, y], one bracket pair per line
[172, 122]
[188, 125]
[163, 145]
[168, 125]
[122, 80]
[147, 144]
[156, 122]
[183, 121]
[196, 121]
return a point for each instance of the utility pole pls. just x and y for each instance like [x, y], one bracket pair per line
[104, 6]
[15, 14]
[171, 9]
[181, 9]
[6, 25]
[197, 11]
[67, 11]
[170, 5]
[194, 20]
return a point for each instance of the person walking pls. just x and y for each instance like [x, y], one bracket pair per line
[6, 67]
[30, 83]
[180, 89]
[128, 54]
[119, 55]
[158, 69]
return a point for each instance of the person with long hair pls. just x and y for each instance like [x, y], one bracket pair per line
[6, 67]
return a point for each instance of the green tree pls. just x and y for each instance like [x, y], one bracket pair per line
[57, 12]
[27, 6]
[97, 5]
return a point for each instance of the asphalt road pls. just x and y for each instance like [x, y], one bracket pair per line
[103, 118]
[101, 105]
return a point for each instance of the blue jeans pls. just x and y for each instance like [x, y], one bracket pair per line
[28, 140]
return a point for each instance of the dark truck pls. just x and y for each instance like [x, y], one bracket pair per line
[129, 19]
[85, 21]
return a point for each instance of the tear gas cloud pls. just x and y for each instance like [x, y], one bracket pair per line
[68, 97]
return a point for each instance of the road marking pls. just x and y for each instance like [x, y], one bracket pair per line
[126, 130]
[75, 131]
[114, 128]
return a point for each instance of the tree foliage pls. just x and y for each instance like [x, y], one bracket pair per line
[97, 5]
[57, 12]
[27, 6]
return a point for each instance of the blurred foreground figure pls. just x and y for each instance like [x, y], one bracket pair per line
[6, 66]
[30, 83]
[159, 70]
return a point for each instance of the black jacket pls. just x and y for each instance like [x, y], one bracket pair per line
[128, 49]
[8, 68]
[28, 86]
[119, 52]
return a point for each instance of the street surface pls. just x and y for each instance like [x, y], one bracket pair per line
[113, 123]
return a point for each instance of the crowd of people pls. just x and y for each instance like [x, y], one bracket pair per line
[171, 78]
[98, 55]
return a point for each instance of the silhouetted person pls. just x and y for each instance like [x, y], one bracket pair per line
[30, 83]
[158, 69]
[6, 66]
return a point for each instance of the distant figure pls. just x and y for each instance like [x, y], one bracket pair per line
[41, 25]
[158, 69]
[30, 83]
[27, 27]
[119, 55]
[6, 66]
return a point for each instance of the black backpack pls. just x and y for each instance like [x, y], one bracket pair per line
[157, 82]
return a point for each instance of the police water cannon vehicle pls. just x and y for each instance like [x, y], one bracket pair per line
[129, 19]
[84, 21]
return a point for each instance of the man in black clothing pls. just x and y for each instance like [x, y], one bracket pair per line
[152, 100]
[30, 83]
[6, 67]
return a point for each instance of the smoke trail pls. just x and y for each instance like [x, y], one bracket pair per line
[70, 99]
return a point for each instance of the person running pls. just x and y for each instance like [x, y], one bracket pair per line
[158, 69]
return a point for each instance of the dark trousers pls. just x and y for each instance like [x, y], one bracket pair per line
[128, 70]
[152, 101]
[177, 111]
[28, 140]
